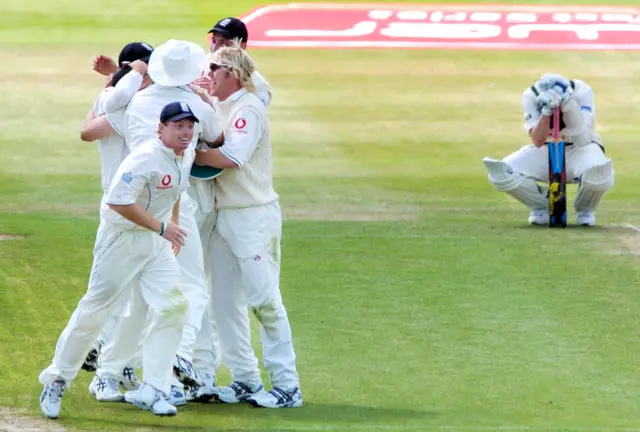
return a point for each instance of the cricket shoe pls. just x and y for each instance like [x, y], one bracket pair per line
[183, 370]
[176, 396]
[237, 392]
[539, 217]
[586, 218]
[277, 398]
[108, 390]
[206, 391]
[51, 399]
[91, 361]
[150, 399]
[129, 381]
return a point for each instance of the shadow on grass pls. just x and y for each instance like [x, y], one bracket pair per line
[230, 418]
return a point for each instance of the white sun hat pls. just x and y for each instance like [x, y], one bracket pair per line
[176, 63]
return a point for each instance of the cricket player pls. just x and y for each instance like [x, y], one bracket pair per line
[245, 247]
[123, 84]
[586, 162]
[227, 32]
[172, 67]
[137, 241]
[107, 127]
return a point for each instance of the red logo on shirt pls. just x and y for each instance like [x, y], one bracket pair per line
[166, 182]
[241, 123]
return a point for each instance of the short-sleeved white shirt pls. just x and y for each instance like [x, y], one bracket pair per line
[153, 176]
[582, 93]
[143, 114]
[112, 148]
[112, 103]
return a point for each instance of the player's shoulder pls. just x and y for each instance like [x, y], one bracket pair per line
[98, 108]
[581, 85]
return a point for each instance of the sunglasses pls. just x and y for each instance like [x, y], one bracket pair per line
[214, 67]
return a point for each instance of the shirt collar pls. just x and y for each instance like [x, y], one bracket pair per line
[235, 96]
[169, 152]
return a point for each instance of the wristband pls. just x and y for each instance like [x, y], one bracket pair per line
[161, 228]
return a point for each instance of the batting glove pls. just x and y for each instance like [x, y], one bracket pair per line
[549, 100]
[550, 80]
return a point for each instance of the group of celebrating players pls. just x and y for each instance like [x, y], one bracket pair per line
[189, 235]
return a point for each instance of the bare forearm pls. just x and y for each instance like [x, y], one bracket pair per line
[540, 133]
[214, 158]
[138, 215]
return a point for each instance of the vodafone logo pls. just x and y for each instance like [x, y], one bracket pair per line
[383, 25]
[166, 182]
[240, 123]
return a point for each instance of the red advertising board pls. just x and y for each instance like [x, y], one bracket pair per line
[306, 25]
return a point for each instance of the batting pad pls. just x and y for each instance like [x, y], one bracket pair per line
[524, 189]
[594, 183]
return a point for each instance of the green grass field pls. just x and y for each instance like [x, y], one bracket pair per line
[420, 300]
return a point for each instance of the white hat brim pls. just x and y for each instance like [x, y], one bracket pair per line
[190, 69]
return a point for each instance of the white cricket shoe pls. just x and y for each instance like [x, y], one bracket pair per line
[206, 391]
[108, 390]
[176, 396]
[586, 218]
[129, 380]
[150, 399]
[539, 217]
[92, 385]
[277, 398]
[51, 398]
[183, 370]
[237, 392]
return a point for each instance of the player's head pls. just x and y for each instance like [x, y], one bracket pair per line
[231, 69]
[176, 63]
[130, 53]
[226, 32]
[176, 126]
[134, 51]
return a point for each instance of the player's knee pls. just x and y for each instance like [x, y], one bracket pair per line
[175, 306]
[269, 313]
[599, 177]
[502, 176]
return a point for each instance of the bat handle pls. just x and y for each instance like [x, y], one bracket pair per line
[556, 124]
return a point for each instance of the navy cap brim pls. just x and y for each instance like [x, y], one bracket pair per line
[182, 116]
[223, 31]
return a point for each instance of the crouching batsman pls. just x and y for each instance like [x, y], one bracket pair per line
[137, 241]
[586, 163]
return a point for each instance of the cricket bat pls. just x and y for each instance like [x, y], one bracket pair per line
[557, 176]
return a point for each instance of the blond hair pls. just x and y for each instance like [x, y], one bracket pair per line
[238, 62]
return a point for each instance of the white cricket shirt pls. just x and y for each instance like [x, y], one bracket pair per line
[582, 93]
[247, 142]
[112, 102]
[143, 114]
[153, 176]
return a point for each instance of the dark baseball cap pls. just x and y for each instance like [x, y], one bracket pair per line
[135, 51]
[231, 28]
[177, 111]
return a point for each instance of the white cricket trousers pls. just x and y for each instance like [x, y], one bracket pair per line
[122, 350]
[245, 263]
[534, 162]
[206, 351]
[120, 257]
